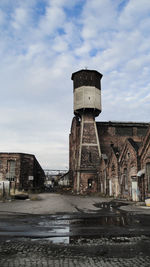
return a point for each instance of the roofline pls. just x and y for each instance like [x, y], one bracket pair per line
[18, 153]
[127, 141]
[145, 141]
[74, 73]
[121, 123]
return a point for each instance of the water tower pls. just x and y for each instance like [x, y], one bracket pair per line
[87, 105]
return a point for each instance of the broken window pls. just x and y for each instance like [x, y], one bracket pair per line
[90, 181]
[11, 167]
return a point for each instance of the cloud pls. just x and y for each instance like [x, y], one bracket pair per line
[54, 18]
[133, 13]
[19, 18]
[2, 17]
[42, 42]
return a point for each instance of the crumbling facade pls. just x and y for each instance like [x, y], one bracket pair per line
[22, 170]
[108, 157]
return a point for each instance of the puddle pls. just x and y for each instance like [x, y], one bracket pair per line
[108, 215]
[110, 206]
[116, 220]
[70, 230]
[61, 231]
[115, 216]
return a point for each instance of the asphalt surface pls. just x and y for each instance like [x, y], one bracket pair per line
[52, 203]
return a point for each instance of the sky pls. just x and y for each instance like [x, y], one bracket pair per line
[42, 42]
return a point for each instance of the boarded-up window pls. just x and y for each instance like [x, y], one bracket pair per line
[124, 131]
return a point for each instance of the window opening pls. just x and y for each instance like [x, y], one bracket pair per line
[90, 181]
[11, 170]
[113, 167]
[126, 179]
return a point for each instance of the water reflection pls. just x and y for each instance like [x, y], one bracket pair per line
[69, 230]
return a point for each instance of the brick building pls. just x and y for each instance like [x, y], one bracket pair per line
[22, 170]
[108, 157]
[144, 170]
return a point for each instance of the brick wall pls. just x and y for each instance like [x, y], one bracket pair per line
[110, 134]
[27, 175]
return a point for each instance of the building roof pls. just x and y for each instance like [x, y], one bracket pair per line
[18, 153]
[85, 70]
[123, 123]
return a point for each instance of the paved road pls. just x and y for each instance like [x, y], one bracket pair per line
[51, 203]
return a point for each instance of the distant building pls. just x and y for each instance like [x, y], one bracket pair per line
[52, 177]
[64, 180]
[22, 170]
[108, 157]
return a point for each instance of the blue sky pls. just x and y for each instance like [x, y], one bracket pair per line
[42, 42]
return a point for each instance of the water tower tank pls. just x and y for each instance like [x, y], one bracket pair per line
[87, 91]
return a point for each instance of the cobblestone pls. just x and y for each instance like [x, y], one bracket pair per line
[27, 254]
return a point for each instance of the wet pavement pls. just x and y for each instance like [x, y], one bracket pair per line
[106, 221]
[107, 236]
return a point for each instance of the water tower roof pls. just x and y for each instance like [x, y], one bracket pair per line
[86, 71]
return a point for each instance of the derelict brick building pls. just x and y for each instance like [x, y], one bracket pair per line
[22, 170]
[105, 156]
